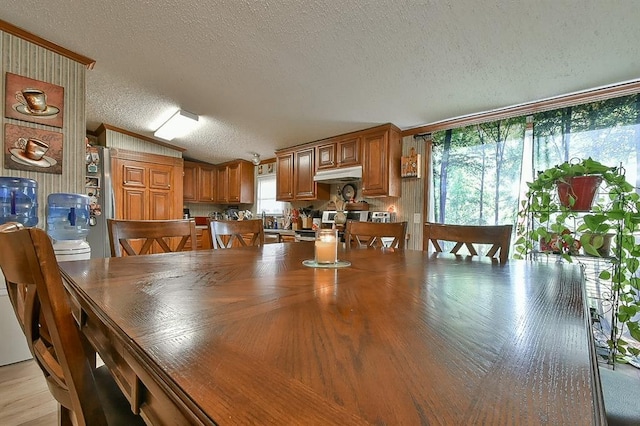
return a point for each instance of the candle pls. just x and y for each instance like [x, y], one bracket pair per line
[326, 246]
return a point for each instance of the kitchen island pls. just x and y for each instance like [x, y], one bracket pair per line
[252, 336]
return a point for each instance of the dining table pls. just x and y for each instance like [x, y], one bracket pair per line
[260, 335]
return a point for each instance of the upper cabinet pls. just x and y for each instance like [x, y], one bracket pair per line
[294, 176]
[284, 177]
[235, 182]
[381, 152]
[199, 182]
[339, 152]
[377, 150]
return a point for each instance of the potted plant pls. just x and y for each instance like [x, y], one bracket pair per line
[547, 225]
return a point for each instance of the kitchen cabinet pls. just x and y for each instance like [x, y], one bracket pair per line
[284, 176]
[381, 152]
[377, 150]
[344, 152]
[146, 186]
[294, 176]
[199, 182]
[235, 182]
[190, 181]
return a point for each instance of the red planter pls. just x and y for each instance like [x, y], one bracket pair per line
[581, 188]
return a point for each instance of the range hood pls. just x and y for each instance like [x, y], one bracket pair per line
[340, 175]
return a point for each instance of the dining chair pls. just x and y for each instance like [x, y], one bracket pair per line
[87, 396]
[122, 234]
[375, 234]
[236, 233]
[469, 236]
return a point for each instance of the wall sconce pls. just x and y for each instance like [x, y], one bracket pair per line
[180, 123]
[256, 158]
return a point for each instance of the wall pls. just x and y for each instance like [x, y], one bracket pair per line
[114, 139]
[26, 59]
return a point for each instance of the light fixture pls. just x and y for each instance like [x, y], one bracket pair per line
[178, 125]
[256, 158]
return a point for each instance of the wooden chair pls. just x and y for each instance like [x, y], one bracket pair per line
[34, 284]
[371, 234]
[467, 235]
[235, 233]
[122, 232]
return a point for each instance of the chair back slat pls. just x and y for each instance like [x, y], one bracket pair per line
[227, 234]
[499, 236]
[371, 234]
[150, 235]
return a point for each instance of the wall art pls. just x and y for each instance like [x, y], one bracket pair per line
[410, 165]
[30, 149]
[35, 101]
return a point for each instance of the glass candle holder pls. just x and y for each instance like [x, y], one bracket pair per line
[326, 246]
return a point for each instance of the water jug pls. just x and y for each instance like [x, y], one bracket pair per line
[68, 216]
[18, 200]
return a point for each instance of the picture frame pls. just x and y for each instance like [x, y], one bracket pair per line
[34, 150]
[92, 182]
[34, 101]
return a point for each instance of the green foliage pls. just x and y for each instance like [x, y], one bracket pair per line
[543, 220]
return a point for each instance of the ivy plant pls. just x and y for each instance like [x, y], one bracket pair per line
[545, 222]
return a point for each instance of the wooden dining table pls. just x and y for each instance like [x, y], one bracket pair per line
[253, 336]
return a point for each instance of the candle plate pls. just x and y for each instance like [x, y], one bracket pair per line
[339, 264]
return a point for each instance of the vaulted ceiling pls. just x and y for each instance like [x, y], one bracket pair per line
[265, 75]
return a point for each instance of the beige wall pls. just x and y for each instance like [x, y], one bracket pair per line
[26, 59]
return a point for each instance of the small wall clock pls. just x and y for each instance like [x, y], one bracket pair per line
[348, 192]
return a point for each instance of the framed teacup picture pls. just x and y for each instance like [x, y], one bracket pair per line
[30, 149]
[35, 101]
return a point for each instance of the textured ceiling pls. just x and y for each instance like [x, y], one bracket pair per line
[265, 75]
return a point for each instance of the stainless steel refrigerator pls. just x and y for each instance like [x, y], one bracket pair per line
[99, 187]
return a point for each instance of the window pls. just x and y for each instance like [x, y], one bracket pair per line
[479, 171]
[266, 197]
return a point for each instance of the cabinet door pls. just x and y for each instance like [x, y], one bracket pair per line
[189, 181]
[222, 185]
[207, 184]
[303, 172]
[234, 182]
[160, 206]
[374, 164]
[134, 202]
[284, 177]
[348, 152]
[326, 155]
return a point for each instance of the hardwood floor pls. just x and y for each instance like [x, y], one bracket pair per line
[24, 396]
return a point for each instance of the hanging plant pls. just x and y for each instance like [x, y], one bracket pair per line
[613, 219]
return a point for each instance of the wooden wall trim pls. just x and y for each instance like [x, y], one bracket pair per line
[593, 95]
[145, 157]
[103, 127]
[26, 35]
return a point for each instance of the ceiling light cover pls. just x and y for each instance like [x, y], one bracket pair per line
[256, 158]
[180, 123]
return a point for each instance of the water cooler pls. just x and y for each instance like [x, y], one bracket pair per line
[68, 225]
[18, 203]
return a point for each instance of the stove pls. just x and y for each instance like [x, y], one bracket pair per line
[358, 216]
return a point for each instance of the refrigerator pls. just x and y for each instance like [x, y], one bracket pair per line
[99, 188]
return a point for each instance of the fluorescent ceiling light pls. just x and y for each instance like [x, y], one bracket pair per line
[178, 125]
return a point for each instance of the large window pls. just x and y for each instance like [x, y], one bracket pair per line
[480, 171]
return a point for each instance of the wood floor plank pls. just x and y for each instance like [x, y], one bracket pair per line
[24, 397]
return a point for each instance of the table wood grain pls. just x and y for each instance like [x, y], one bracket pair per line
[251, 336]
